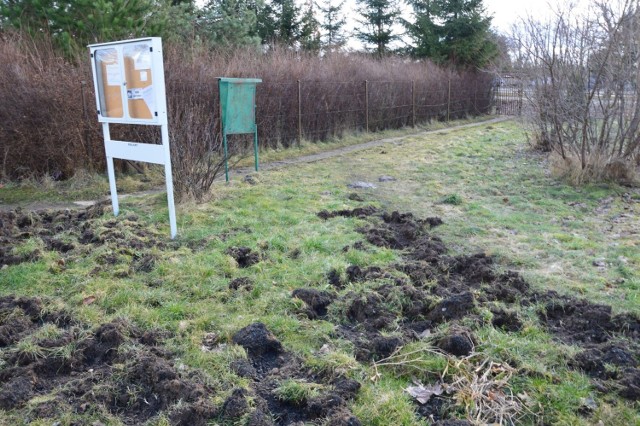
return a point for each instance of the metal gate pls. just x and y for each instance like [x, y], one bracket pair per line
[507, 95]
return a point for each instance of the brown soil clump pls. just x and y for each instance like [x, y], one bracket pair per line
[244, 256]
[268, 366]
[98, 368]
[446, 288]
[316, 301]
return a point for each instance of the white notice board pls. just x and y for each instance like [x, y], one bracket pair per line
[128, 79]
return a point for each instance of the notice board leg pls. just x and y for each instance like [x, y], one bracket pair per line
[226, 165]
[172, 206]
[255, 147]
[112, 186]
[168, 175]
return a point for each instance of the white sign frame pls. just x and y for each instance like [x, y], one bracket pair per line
[135, 151]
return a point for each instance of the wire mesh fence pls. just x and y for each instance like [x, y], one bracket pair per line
[288, 112]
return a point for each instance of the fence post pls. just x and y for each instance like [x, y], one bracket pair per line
[299, 116]
[520, 96]
[475, 99]
[449, 101]
[85, 136]
[413, 103]
[366, 104]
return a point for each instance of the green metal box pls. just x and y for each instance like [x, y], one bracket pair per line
[238, 111]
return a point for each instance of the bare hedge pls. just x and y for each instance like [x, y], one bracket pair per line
[48, 124]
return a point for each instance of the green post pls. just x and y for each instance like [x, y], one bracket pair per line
[226, 165]
[255, 147]
[238, 112]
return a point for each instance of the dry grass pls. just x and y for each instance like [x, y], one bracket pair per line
[597, 169]
[482, 386]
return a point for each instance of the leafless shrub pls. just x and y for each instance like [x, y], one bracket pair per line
[583, 88]
[41, 117]
[46, 129]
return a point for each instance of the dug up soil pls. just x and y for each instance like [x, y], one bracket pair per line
[53, 364]
[429, 287]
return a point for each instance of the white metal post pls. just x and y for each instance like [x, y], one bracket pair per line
[111, 171]
[169, 179]
[164, 130]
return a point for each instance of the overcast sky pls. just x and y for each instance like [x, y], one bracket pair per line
[504, 12]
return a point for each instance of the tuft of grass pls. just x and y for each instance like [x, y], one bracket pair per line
[452, 199]
[296, 391]
[27, 349]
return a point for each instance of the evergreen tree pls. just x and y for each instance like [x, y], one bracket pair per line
[332, 26]
[229, 23]
[266, 21]
[288, 21]
[423, 30]
[74, 23]
[378, 19]
[465, 35]
[309, 30]
[452, 31]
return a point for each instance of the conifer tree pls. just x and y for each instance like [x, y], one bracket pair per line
[309, 30]
[332, 26]
[74, 23]
[287, 21]
[378, 19]
[229, 23]
[457, 32]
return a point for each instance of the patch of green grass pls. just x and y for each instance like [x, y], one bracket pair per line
[296, 391]
[453, 199]
[504, 204]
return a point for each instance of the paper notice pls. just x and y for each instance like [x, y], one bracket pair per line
[135, 94]
[113, 75]
[143, 76]
[149, 98]
[143, 60]
[145, 94]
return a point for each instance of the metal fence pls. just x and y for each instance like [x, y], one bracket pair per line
[507, 98]
[288, 112]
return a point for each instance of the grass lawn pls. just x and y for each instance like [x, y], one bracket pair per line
[493, 195]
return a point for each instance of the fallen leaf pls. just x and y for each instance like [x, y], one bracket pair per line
[426, 333]
[424, 393]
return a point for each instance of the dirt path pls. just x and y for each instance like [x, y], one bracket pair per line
[242, 171]
[354, 148]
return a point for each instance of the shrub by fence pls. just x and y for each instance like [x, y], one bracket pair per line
[48, 123]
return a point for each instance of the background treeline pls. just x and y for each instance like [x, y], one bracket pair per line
[454, 32]
[47, 111]
[312, 89]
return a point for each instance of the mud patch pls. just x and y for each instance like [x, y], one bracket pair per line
[241, 283]
[126, 241]
[316, 301]
[580, 321]
[359, 212]
[505, 320]
[449, 289]
[458, 343]
[115, 368]
[615, 363]
[244, 256]
[284, 391]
